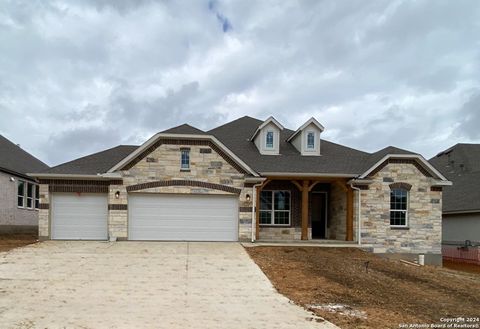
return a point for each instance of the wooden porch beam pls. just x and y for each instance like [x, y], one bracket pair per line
[349, 221]
[305, 209]
[297, 184]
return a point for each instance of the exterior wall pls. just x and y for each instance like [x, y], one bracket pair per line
[208, 169]
[336, 226]
[423, 234]
[12, 218]
[458, 228]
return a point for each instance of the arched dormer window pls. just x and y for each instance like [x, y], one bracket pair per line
[399, 204]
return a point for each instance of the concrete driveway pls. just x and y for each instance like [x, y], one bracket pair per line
[66, 284]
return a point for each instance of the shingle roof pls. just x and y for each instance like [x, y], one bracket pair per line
[95, 163]
[16, 160]
[461, 165]
[184, 129]
[335, 158]
[235, 135]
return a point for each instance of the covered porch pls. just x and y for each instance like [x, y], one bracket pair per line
[305, 208]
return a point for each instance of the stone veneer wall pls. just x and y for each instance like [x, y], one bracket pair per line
[337, 211]
[163, 164]
[423, 234]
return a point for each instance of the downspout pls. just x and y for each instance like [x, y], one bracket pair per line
[254, 217]
[359, 212]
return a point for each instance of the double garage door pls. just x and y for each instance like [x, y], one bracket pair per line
[151, 217]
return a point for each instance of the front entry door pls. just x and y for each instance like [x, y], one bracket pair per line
[319, 215]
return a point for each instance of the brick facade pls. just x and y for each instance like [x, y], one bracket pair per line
[13, 218]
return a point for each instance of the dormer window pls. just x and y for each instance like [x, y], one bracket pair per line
[269, 140]
[306, 139]
[311, 140]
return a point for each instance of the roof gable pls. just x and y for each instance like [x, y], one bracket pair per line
[265, 123]
[310, 121]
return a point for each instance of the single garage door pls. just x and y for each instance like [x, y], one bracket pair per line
[182, 217]
[79, 216]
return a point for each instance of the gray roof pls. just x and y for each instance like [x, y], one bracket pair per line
[15, 160]
[334, 159]
[235, 135]
[95, 163]
[184, 129]
[461, 165]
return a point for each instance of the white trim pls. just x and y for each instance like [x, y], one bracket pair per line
[309, 121]
[272, 211]
[272, 147]
[425, 164]
[400, 210]
[266, 122]
[155, 137]
[295, 174]
[307, 148]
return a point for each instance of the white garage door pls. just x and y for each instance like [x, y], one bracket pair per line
[79, 216]
[182, 217]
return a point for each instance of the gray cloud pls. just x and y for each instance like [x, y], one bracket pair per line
[83, 76]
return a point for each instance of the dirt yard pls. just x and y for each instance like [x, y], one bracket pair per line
[10, 241]
[386, 295]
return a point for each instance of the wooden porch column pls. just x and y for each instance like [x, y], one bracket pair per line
[257, 213]
[305, 190]
[349, 236]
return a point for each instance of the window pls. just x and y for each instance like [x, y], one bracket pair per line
[398, 207]
[269, 140]
[185, 160]
[37, 196]
[27, 195]
[275, 208]
[30, 191]
[310, 140]
[21, 193]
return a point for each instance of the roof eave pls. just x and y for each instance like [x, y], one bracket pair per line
[266, 122]
[302, 127]
[74, 176]
[422, 161]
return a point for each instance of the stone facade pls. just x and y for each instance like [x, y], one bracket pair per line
[12, 218]
[209, 173]
[423, 234]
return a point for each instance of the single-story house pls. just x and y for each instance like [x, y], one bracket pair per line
[461, 201]
[19, 193]
[247, 180]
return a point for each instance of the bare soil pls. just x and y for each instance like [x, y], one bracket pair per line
[389, 292]
[11, 241]
[459, 266]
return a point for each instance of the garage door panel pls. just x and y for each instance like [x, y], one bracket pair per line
[183, 217]
[79, 217]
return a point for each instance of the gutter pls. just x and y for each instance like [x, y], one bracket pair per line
[254, 207]
[74, 176]
[296, 174]
[359, 226]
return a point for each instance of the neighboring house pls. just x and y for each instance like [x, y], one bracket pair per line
[247, 180]
[461, 202]
[19, 196]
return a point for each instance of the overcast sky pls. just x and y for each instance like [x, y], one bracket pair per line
[77, 77]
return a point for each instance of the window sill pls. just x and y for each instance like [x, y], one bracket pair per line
[405, 228]
[184, 170]
[275, 225]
